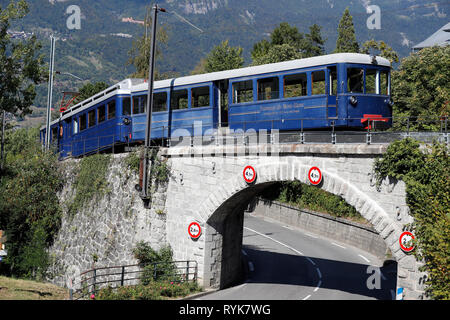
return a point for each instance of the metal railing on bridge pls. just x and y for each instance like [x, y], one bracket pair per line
[91, 281]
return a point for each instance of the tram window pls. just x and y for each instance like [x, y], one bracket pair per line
[371, 81]
[139, 104]
[101, 114]
[384, 83]
[200, 97]
[82, 122]
[126, 106]
[318, 82]
[75, 126]
[91, 118]
[159, 101]
[295, 85]
[111, 109]
[355, 80]
[333, 81]
[54, 134]
[243, 91]
[179, 99]
[268, 88]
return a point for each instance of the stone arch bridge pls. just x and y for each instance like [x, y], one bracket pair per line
[207, 187]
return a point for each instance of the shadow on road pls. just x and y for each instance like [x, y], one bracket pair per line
[354, 278]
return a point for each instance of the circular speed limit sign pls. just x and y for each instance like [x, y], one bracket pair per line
[315, 176]
[249, 174]
[194, 230]
[405, 241]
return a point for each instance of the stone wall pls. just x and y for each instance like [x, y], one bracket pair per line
[342, 230]
[106, 230]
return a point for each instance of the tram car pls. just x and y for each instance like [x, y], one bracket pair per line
[343, 90]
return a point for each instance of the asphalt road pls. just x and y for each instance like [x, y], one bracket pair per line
[290, 264]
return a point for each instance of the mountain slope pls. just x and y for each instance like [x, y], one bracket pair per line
[99, 50]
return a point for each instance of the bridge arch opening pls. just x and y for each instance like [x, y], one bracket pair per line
[224, 225]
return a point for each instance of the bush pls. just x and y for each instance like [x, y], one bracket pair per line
[427, 178]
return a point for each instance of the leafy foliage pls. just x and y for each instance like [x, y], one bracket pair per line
[380, 48]
[224, 57]
[158, 265]
[30, 211]
[90, 89]
[420, 88]
[287, 43]
[427, 178]
[21, 68]
[346, 41]
[312, 198]
[90, 181]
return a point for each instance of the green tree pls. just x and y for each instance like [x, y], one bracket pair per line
[139, 54]
[90, 89]
[420, 89]
[28, 203]
[287, 43]
[224, 57]
[346, 41]
[21, 66]
[427, 178]
[380, 48]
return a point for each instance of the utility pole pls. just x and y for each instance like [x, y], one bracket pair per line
[50, 92]
[3, 139]
[151, 78]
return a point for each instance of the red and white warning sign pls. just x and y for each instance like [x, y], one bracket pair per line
[315, 176]
[194, 230]
[406, 239]
[249, 174]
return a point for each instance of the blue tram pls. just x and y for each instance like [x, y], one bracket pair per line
[345, 90]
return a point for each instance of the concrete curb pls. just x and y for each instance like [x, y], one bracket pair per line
[198, 295]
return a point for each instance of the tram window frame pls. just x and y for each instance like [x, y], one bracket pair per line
[159, 106]
[111, 109]
[333, 80]
[101, 114]
[91, 118]
[197, 97]
[126, 106]
[385, 90]
[322, 80]
[372, 76]
[139, 104]
[291, 80]
[75, 126]
[245, 86]
[176, 97]
[271, 83]
[361, 82]
[54, 134]
[82, 121]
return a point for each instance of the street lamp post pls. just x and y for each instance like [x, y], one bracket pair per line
[144, 192]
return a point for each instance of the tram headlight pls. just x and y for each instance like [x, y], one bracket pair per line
[353, 100]
[390, 102]
[126, 121]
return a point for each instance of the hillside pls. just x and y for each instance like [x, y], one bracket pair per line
[99, 50]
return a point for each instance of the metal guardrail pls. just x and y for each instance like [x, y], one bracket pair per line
[201, 133]
[91, 281]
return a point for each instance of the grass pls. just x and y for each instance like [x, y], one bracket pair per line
[18, 289]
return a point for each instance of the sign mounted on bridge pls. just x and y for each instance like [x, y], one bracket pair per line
[315, 176]
[406, 241]
[194, 230]
[249, 174]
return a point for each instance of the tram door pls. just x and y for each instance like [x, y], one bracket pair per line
[332, 102]
[222, 104]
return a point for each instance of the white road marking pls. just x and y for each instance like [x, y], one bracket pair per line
[364, 257]
[337, 245]
[318, 272]
[287, 227]
[284, 245]
[307, 297]
[313, 263]
[318, 286]
[310, 235]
